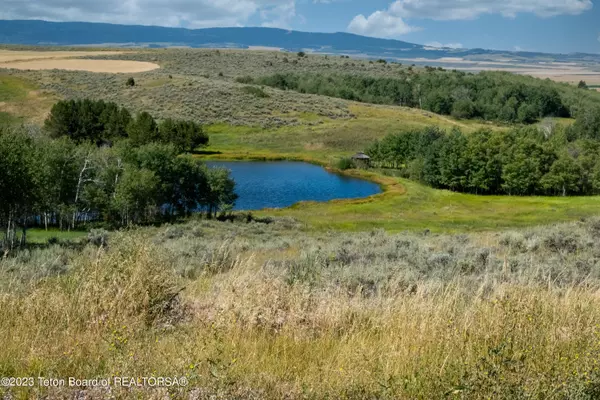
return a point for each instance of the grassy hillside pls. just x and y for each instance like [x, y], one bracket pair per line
[271, 311]
[21, 101]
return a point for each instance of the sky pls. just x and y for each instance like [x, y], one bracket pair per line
[557, 26]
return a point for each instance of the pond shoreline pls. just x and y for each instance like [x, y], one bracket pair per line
[293, 182]
[386, 183]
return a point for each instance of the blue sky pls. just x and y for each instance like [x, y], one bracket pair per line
[531, 25]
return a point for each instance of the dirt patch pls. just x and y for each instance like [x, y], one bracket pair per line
[108, 66]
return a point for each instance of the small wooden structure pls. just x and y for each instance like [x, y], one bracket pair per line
[361, 159]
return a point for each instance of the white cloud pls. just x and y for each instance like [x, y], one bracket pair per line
[279, 16]
[468, 9]
[439, 45]
[380, 24]
[185, 13]
[392, 21]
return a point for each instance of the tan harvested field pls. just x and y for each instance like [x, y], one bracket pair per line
[66, 60]
[11, 56]
[109, 66]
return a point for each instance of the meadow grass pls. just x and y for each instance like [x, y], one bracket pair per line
[270, 311]
[41, 236]
[326, 139]
[13, 88]
[418, 207]
[21, 101]
[404, 205]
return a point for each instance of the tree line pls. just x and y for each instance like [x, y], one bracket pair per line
[95, 163]
[524, 161]
[105, 122]
[491, 96]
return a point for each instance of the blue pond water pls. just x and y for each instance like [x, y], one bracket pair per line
[277, 184]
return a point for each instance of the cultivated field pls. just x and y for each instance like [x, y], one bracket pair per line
[13, 55]
[67, 60]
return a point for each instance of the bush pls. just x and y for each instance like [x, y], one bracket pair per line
[345, 163]
[98, 237]
[244, 79]
[130, 82]
[255, 91]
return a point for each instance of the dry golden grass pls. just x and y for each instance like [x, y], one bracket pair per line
[270, 312]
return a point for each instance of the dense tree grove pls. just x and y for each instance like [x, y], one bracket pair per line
[101, 122]
[526, 161]
[57, 182]
[492, 96]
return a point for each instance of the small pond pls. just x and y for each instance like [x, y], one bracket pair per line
[278, 184]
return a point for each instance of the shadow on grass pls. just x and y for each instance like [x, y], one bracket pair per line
[205, 152]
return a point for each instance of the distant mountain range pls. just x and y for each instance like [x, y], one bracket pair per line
[33, 32]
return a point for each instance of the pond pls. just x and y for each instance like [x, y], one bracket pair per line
[278, 184]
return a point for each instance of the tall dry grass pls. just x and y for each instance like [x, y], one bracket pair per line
[271, 311]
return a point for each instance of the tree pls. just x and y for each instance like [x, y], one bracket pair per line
[19, 191]
[452, 164]
[483, 163]
[143, 129]
[221, 189]
[135, 196]
[527, 113]
[186, 136]
[87, 121]
[564, 177]
[130, 82]
[463, 109]
[521, 175]
[582, 85]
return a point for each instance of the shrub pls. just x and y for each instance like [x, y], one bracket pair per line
[98, 237]
[244, 79]
[255, 91]
[130, 82]
[345, 163]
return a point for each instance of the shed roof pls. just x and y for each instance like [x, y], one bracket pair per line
[361, 156]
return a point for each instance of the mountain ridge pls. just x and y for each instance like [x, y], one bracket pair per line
[39, 32]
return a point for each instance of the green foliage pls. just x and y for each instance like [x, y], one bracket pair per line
[244, 79]
[582, 85]
[130, 82]
[518, 162]
[102, 123]
[345, 163]
[255, 91]
[54, 182]
[186, 136]
[87, 120]
[301, 54]
[491, 96]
